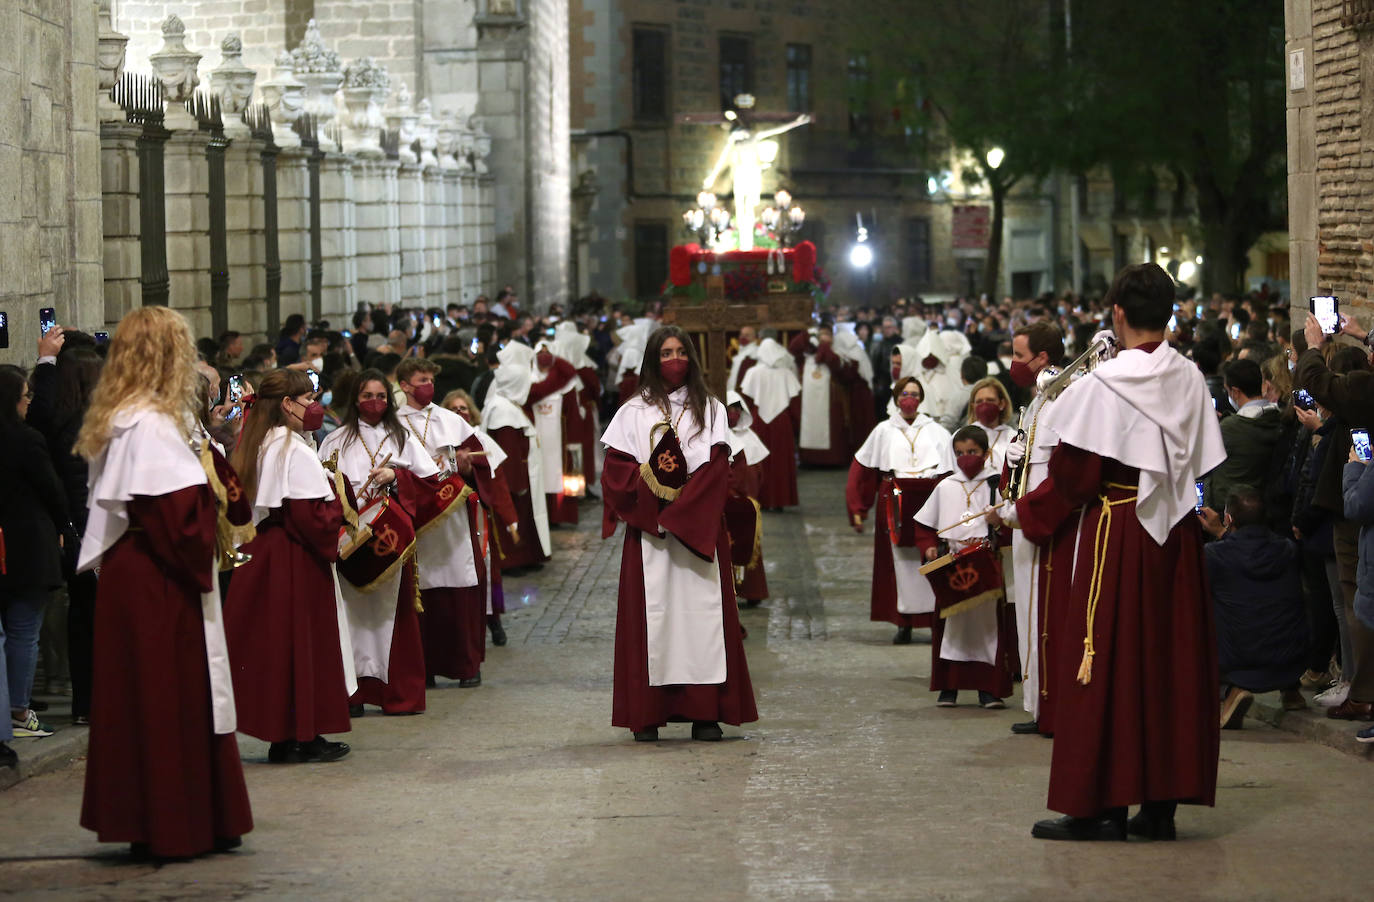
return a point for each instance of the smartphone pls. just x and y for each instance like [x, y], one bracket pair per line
[550, 332]
[1235, 331]
[1173, 323]
[1360, 439]
[1327, 311]
[475, 347]
[1201, 493]
[314, 379]
[1303, 398]
[4, 329]
[47, 318]
[346, 334]
[102, 338]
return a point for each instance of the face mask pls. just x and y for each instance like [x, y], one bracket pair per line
[674, 371]
[970, 464]
[732, 417]
[544, 359]
[931, 362]
[1021, 374]
[908, 404]
[372, 410]
[317, 364]
[423, 394]
[987, 412]
[327, 398]
[312, 418]
[896, 371]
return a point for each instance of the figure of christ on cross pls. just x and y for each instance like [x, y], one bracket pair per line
[741, 155]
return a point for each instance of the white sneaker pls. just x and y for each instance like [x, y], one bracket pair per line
[28, 724]
[1332, 697]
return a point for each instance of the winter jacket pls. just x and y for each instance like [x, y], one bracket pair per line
[1359, 508]
[1249, 440]
[1256, 582]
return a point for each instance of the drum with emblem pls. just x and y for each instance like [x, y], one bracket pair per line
[966, 579]
[391, 543]
[903, 499]
[431, 506]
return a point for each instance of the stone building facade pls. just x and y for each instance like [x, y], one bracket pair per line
[1331, 149]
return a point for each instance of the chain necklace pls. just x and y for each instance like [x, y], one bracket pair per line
[423, 437]
[371, 457]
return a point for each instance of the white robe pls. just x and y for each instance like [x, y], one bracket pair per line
[548, 422]
[683, 602]
[288, 468]
[919, 449]
[443, 552]
[747, 352]
[970, 635]
[814, 432]
[772, 382]
[148, 455]
[372, 614]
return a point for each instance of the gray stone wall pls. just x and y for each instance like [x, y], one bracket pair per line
[50, 228]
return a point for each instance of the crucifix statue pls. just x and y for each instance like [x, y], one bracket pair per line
[746, 155]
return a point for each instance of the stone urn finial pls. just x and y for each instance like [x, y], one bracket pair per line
[320, 70]
[366, 85]
[427, 133]
[467, 146]
[481, 146]
[285, 97]
[401, 118]
[446, 141]
[233, 82]
[110, 46]
[178, 69]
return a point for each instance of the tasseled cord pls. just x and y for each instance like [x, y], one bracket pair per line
[1104, 527]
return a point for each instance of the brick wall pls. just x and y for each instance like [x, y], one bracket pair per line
[49, 170]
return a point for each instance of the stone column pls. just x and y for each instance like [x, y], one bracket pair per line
[244, 221]
[119, 208]
[410, 197]
[378, 238]
[338, 241]
[453, 237]
[188, 228]
[487, 231]
[436, 237]
[293, 230]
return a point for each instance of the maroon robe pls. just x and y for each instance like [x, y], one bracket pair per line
[867, 489]
[588, 396]
[848, 426]
[281, 622]
[562, 508]
[779, 487]
[629, 384]
[510, 555]
[1146, 726]
[697, 519]
[157, 772]
[744, 484]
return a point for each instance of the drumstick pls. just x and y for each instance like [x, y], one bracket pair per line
[386, 460]
[969, 519]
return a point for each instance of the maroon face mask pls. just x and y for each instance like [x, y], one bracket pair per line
[544, 359]
[908, 404]
[423, 394]
[970, 464]
[674, 371]
[896, 371]
[372, 410]
[987, 412]
[312, 418]
[1021, 374]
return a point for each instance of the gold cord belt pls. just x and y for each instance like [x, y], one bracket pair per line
[1104, 526]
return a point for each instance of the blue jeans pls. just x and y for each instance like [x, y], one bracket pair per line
[21, 619]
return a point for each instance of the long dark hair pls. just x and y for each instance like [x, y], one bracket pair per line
[78, 370]
[13, 385]
[262, 418]
[653, 389]
[391, 422]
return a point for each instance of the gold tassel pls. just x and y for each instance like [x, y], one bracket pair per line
[415, 576]
[756, 556]
[1085, 667]
[646, 472]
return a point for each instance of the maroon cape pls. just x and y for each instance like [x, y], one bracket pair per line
[157, 773]
[865, 489]
[629, 384]
[562, 508]
[779, 487]
[508, 554]
[282, 625]
[582, 412]
[1146, 726]
[851, 405]
[696, 518]
[744, 484]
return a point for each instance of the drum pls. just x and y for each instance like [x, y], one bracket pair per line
[391, 543]
[965, 579]
[431, 506]
[904, 499]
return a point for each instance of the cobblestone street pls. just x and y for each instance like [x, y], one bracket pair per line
[852, 785]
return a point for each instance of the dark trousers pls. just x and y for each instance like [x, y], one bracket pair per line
[81, 589]
[1321, 620]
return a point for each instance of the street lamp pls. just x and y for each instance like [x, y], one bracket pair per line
[860, 255]
[995, 158]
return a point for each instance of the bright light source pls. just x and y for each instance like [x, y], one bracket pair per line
[768, 151]
[1199, 260]
[860, 256]
[730, 115]
[783, 198]
[1164, 252]
[1186, 270]
[995, 157]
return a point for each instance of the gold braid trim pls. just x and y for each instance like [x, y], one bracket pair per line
[415, 578]
[756, 557]
[1100, 540]
[646, 473]
[389, 572]
[227, 536]
[969, 604]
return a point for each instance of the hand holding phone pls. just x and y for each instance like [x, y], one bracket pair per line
[1326, 309]
[1359, 440]
[47, 318]
[1303, 399]
[1201, 496]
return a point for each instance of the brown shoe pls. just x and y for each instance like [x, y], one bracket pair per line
[1233, 708]
[1314, 680]
[1293, 700]
[1349, 710]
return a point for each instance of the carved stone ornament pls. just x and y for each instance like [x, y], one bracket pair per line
[319, 69]
[110, 46]
[401, 118]
[285, 97]
[178, 70]
[427, 133]
[365, 89]
[481, 146]
[446, 137]
[233, 82]
[467, 147]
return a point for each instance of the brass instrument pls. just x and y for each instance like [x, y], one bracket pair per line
[1050, 384]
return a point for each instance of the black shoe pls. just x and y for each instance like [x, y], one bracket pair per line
[227, 843]
[750, 602]
[498, 633]
[903, 636]
[355, 710]
[949, 698]
[990, 701]
[401, 713]
[140, 851]
[8, 756]
[1083, 829]
[649, 735]
[429, 683]
[322, 750]
[1154, 821]
[706, 731]
[285, 753]
[471, 682]
[1026, 728]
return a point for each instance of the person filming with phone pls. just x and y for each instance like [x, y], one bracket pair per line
[1249, 436]
[1348, 393]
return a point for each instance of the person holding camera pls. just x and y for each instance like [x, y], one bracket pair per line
[1249, 436]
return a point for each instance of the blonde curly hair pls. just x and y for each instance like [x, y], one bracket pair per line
[151, 363]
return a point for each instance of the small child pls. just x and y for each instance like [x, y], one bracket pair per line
[970, 649]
